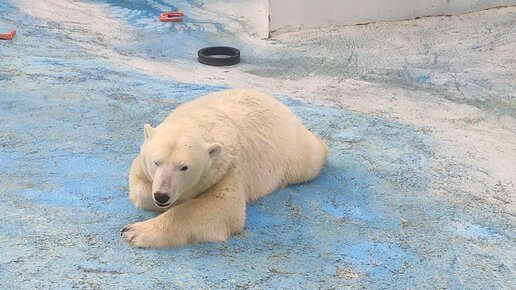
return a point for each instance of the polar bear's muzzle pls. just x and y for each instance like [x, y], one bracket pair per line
[161, 199]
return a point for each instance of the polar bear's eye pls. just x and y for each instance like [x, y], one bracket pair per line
[156, 162]
[184, 168]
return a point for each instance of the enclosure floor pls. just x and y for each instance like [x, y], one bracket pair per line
[419, 190]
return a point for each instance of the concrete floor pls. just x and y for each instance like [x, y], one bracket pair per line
[419, 191]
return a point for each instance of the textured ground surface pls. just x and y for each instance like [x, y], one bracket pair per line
[419, 190]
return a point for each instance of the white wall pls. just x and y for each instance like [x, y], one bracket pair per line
[288, 15]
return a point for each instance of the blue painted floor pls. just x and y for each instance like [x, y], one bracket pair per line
[71, 122]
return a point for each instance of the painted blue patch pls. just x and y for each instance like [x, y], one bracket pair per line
[165, 40]
[4, 77]
[380, 260]
[423, 79]
[148, 7]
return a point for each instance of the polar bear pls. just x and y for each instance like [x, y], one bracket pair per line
[209, 158]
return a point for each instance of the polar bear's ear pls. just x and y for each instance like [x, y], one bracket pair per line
[214, 149]
[148, 131]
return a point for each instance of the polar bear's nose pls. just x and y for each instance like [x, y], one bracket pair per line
[161, 198]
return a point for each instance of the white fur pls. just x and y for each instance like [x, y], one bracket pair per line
[239, 145]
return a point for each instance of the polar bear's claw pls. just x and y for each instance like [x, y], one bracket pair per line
[128, 233]
[128, 228]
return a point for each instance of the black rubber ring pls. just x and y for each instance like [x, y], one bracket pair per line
[205, 55]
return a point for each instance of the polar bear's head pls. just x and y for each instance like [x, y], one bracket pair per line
[177, 163]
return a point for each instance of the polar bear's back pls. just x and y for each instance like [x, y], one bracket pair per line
[276, 148]
[245, 107]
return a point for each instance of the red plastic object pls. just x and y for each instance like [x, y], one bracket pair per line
[8, 36]
[176, 16]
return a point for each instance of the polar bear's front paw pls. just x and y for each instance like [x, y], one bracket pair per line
[143, 234]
